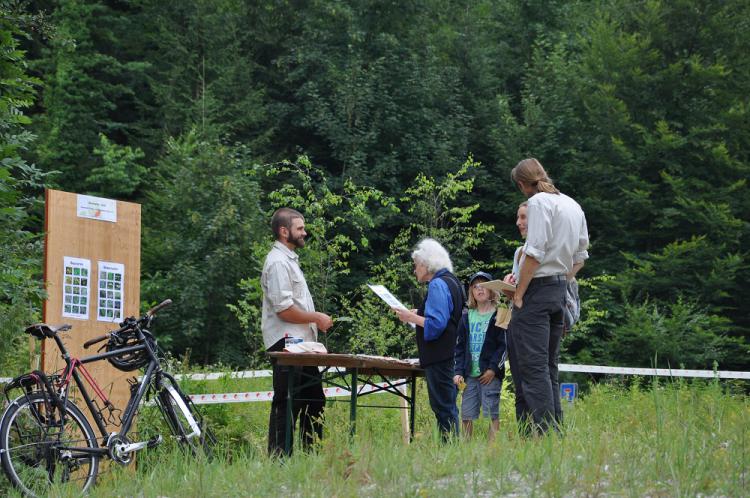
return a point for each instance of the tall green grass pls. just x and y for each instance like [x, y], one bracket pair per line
[673, 439]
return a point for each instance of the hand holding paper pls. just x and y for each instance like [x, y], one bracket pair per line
[394, 303]
[409, 316]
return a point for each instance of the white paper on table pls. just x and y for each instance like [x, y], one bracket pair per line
[389, 298]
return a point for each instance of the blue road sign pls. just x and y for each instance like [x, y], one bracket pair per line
[569, 391]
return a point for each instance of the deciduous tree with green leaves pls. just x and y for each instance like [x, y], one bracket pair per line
[339, 221]
[21, 287]
[436, 208]
[201, 224]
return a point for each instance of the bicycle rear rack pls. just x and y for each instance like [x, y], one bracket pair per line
[33, 382]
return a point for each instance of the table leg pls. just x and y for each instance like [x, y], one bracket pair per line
[289, 410]
[413, 402]
[353, 404]
[403, 403]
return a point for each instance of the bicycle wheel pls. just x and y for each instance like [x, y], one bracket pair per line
[184, 420]
[38, 446]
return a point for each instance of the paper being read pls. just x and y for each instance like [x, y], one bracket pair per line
[389, 298]
[386, 296]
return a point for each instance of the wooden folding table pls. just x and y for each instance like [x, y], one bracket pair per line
[350, 372]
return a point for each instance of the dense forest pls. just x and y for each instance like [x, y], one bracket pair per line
[384, 122]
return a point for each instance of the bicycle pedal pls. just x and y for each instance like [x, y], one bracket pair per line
[155, 441]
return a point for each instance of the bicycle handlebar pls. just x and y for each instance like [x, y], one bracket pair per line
[93, 341]
[128, 324]
[158, 307]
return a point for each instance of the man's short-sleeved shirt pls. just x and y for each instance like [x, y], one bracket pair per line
[557, 235]
[284, 285]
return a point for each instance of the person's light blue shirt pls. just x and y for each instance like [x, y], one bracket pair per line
[478, 324]
[438, 308]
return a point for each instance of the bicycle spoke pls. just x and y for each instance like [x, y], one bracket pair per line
[40, 449]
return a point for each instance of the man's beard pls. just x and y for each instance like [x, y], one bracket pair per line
[298, 241]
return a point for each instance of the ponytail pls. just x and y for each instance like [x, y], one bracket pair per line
[531, 172]
[546, 186]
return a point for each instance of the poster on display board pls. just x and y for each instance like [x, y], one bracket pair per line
[111, 291]
[96, 208]
[76, 281]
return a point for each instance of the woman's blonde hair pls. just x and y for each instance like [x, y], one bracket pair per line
[472, 303]
[531, 172]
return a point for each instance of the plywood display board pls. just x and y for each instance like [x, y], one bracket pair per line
[92, 269]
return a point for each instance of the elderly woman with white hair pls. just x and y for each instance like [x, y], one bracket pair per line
[436, 323]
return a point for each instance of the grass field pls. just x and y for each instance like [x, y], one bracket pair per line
[674, 439]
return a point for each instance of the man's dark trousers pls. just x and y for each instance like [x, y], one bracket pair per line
[308, 406]
[534, 348]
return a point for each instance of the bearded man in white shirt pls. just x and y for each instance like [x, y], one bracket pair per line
[288, 310]
[556, 248]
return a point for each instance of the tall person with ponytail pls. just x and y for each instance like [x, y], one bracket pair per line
[556, 247]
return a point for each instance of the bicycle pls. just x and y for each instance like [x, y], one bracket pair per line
[46, 439]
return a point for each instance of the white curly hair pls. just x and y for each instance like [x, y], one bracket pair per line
[430, 253]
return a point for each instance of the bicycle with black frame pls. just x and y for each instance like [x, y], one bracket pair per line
[46, 439]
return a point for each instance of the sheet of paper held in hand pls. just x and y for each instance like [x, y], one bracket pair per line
[386, 296]
[389, 298]
[498, 285]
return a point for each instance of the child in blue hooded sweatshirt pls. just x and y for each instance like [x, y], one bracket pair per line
[480, 357]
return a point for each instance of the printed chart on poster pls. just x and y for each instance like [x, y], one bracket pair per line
[111, 291]
[76, 278]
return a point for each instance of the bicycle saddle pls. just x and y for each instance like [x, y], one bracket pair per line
[42, 330]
